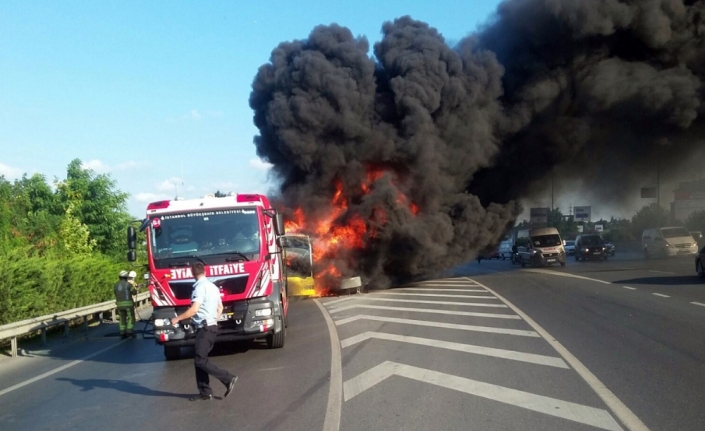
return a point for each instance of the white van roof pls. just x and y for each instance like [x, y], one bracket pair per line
[544, 231]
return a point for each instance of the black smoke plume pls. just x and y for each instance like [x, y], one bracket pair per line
[601, 88]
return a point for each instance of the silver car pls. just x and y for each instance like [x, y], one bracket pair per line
[569, 247]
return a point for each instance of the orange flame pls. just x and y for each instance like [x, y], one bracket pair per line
[338, 232]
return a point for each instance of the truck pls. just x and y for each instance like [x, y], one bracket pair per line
[540, 247]
[239, 240]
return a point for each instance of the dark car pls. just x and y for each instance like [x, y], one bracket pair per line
[700, 263]
[609, 249]
[590, 246]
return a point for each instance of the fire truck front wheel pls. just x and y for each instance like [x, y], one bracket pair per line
[172, 352]
[275, 340]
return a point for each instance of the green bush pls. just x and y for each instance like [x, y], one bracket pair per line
[34, 286]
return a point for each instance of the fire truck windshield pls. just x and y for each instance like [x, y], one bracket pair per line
[204, 233]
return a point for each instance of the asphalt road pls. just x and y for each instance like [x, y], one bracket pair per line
[490, 346]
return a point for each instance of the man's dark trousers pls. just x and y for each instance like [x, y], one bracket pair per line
[205, 338]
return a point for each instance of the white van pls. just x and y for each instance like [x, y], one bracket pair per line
[668, 241]
[540, 247]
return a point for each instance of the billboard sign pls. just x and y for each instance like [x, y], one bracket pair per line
[582, 213]
[539, 215]
[599, 228]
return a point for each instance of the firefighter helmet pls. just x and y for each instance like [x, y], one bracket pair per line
[132, 274]
[123, 274]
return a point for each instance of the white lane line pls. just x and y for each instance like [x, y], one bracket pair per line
[660, 272]
[420, 301]
[618, 407]
[698, 303]
[335, 301]
[563, 409]
[435, 289]
[59, 369]
[443, 284]
[459, 347]
[425, 310]
[630, 288]
[661, 295]
[437, 295]
[489, 329]
[335, 389]
[562, 274]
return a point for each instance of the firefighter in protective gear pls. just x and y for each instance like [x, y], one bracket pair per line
[124, 289]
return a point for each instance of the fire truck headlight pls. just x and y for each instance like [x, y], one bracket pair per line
[263, 312]
[162, 322]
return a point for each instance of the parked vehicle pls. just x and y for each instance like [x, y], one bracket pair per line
[697, 236]
[609, 249]
[590, 246]
[569, 247]
[540, 247]
[668, 241]
[700, 263]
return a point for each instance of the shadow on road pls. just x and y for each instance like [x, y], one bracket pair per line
[664, 280]
[120, 385]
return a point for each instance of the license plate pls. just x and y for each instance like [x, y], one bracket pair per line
[225, 316]
[550, 260]
[597, 252]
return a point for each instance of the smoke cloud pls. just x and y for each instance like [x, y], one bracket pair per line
[602, 89]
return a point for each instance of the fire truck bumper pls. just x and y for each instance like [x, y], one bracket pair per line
[246, 320]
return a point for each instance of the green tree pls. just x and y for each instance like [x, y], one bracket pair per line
[650, 216]
[102, 208]
[74, 235]
[565, 225]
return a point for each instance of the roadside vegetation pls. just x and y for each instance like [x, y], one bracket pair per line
[62, 243]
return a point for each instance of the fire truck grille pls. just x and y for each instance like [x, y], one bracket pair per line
[229, 286]
[181, 289]
[233, 285]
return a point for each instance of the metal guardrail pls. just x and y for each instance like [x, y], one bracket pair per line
[16, 329]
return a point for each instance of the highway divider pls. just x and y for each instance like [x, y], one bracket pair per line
[17, 329]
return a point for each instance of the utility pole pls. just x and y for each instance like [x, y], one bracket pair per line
[658, 183]
[552, 175]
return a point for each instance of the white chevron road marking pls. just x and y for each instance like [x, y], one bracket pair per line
[443, 325]
[459, 347]
[563, 409]
[424, 310]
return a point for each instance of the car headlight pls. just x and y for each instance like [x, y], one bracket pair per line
[263, 312]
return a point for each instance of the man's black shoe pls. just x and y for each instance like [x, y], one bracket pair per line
[231, 385]
[201, 398]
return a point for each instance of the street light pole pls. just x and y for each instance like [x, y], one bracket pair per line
[552, 175]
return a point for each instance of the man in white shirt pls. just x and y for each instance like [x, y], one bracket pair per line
[205, 309]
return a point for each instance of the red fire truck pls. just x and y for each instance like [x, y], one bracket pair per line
[238, 238]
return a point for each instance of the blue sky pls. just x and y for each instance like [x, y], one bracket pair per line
[156, 93]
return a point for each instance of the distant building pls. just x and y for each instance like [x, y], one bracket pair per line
[688, 198]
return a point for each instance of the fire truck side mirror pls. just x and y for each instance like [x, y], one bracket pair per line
[279, 223]
[131, 256]
[131, 238]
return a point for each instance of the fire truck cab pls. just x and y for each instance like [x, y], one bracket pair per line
[238, 240]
